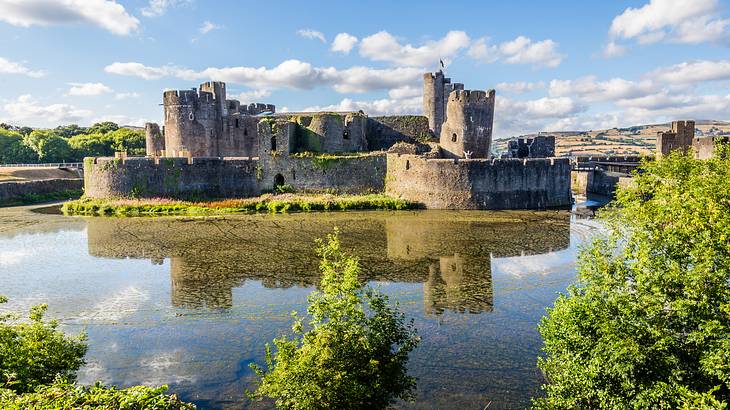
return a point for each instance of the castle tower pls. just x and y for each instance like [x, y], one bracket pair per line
[194, 120]
[467, 131]
[154, 140]
[218, 89]
[679, 138]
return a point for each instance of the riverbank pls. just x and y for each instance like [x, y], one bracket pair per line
[283, 203]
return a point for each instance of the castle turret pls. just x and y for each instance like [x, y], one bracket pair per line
[467, 131]
[154, 140]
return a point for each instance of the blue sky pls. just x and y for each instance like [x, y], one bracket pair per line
[558, 65]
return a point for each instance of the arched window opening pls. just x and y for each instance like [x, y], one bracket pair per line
[191, 116]
[273, 144]
[346, 134]
[293, 175]
[245, 132]
[236, 122]
[408, 164]
[453, 137]
[278, 180]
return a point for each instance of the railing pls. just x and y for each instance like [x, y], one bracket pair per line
[46, 165]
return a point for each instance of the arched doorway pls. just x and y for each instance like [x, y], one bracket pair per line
[278, 181]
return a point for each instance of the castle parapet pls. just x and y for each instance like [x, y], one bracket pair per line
[480, 183]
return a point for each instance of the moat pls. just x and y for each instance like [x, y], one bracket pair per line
[190, 302]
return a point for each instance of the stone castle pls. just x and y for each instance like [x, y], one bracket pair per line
[215, 147]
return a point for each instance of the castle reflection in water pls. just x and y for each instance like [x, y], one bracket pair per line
[449, 252]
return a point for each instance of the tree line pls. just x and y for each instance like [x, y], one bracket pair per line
[67, 143]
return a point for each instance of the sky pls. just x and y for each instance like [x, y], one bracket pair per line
[555, 66]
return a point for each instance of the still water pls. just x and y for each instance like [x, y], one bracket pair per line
[190, 302]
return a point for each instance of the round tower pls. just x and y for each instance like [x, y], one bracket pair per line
[467, 132]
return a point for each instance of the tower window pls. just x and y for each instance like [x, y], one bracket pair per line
[346, 134]
[453, 137]
[245, 132]
[236, 122]
[273, 143]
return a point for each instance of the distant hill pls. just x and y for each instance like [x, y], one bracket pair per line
[634, 140]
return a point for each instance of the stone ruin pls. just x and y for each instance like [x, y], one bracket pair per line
[213, 146]
[541, 146]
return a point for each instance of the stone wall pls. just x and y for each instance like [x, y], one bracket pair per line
[599, 182]
[329, 132]
[342, 174]
[170, 177]
[14, 189]
[384, 132]
[480, 183]
[704, 147]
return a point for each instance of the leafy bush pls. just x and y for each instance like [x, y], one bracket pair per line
[34, 352]
[354, 353]
[63, 395]
[648, 324]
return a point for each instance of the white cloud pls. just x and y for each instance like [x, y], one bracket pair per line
[88, 89]
[29, 111]
[692, 72]
[11, 67]
[612, 49]
[157, 8]
[590, 89]
[521, 50]
[343, 43]
[377, 107]
[207, 27]
[124, 96]
[139, 70]
[405, 92]
[253, 96]
[312, 34]
[289, 74]
[681, 21]
[383, 46]
[107, 14]
[545, 107]
[519, 87]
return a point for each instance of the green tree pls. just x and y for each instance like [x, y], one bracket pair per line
[13, 150]
[91, 145]
[354, 353]
[68, 131]
[648, 323]
[48, 146]
[103, 127]
[34, 352]
[128, 140]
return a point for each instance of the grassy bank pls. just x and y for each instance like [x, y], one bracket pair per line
[283, 203]
[29, 199]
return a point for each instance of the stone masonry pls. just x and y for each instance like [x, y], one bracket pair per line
[679, 138]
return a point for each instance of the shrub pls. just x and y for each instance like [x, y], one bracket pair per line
[63, 395]
[648, 324]
[354, 353]
[35, 352]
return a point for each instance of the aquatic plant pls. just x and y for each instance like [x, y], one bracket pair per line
[648, 324]
[64, 395]
[350, 352]
[282, 203]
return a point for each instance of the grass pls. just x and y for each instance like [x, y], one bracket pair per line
[29, 199]
[283, 203]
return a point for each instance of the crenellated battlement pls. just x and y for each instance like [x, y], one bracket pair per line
[471, 96]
